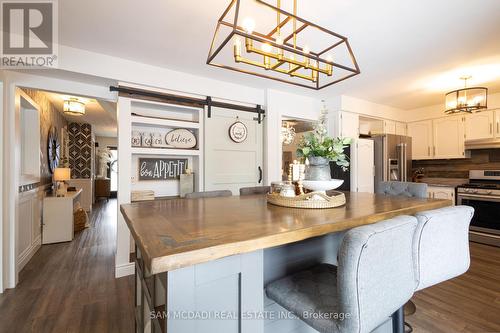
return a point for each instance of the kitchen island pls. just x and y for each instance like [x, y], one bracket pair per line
[201, 264]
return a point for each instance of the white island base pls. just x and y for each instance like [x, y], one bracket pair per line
[227, 295]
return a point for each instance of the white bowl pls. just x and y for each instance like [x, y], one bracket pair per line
[322, 185]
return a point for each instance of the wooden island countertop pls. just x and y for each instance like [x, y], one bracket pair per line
[177, 233]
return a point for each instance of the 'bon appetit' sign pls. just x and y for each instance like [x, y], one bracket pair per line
[161, 168]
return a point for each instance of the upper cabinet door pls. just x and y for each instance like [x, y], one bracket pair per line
[389, 127]
[497, 124]
[400, 128]
[480, 126]
[349, 125]
[421, 137]
[449, 137]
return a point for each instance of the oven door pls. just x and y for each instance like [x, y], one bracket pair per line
[486, 212]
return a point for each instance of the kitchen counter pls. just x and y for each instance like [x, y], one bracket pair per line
[172, 234]
[444, 182]
[217, 254]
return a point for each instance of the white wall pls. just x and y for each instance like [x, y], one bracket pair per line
[105, 141]
[281, 104]
[362, 107]
[436, 111]
[85, 62]
[1, 188]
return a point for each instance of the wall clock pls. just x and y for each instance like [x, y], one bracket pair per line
[238, 132]
[53, 149]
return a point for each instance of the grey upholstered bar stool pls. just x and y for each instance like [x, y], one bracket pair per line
[255, 190]
[441, 244]
[209, 194]
[374, 278]
[440, 247]
[408, 189]
[417, 190]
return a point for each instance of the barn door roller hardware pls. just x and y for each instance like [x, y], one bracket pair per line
[185, 100]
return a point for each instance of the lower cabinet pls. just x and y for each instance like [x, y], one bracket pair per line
[223, 296]
[441, 192]
[29, 226]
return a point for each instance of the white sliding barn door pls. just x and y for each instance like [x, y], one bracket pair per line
[230, 165]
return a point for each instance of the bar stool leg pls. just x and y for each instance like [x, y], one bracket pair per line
[398, 321]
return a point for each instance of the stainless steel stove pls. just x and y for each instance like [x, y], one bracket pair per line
[483, 193]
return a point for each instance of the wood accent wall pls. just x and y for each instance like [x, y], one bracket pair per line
[481, 159]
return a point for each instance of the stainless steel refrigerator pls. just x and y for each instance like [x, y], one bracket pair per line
[392, 158]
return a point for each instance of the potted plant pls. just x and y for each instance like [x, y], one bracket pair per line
[319, 149]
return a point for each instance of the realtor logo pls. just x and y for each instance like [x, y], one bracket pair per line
[29, 34]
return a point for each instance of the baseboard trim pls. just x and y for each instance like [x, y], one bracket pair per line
[124, 270]
[27, 254]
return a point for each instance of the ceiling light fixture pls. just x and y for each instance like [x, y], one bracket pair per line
[466, 99]
[74, 107]
[287, 49]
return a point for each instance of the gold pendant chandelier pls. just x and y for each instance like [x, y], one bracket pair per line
[280, 46]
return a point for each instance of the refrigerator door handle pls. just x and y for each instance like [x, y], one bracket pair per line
[402, 174]
[405, 164]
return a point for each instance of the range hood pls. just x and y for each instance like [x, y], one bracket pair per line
[482, 144]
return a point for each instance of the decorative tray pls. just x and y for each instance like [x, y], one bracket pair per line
[313, 200]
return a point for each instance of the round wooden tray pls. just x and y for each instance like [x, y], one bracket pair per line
[307, 200]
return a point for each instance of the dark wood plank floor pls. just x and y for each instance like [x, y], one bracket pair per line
[468, 303]
[70, 287]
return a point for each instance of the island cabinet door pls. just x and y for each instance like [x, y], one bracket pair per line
[221, 296]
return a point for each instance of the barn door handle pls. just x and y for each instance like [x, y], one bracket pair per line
[260, 174]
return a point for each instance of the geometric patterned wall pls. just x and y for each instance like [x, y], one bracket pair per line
[80, 150]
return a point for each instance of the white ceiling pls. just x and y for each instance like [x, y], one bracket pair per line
[100, 114]
[410, 52]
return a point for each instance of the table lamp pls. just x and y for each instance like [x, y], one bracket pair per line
[61, 175]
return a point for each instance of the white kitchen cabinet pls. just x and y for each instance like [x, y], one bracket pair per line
[343, 124]
[441, 192]
[497, 124]
[448, 137]
[389, 127]
[480, 125]
[58, 223]
[362, 166]
[421, 134]
[400, 128]
[349, 125]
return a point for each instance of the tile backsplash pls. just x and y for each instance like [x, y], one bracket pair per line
[481, 159]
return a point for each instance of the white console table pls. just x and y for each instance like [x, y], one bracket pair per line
[58, 224]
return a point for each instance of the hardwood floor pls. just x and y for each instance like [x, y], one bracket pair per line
[70, 287]
[468, 303]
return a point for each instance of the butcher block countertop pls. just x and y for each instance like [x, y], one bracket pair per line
[176, 233]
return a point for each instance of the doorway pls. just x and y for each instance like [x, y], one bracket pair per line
[292, 133]
[113, 171]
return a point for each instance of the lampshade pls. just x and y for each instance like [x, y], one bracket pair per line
[62, 174]
[74, 107]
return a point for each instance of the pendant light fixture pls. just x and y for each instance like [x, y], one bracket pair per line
[262, 39]
[74, 107]
[466, 99]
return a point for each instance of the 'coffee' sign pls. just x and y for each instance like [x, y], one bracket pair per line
[161, 168]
